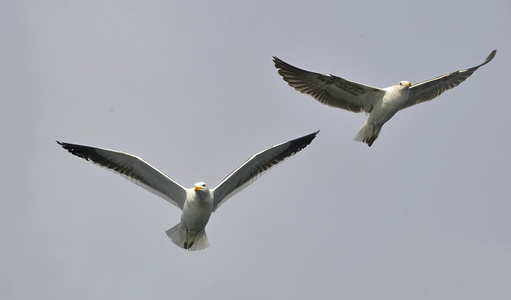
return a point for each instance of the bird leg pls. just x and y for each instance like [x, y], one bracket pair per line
[191, 243]
[186, 240]
[371, 140]
[373, 137]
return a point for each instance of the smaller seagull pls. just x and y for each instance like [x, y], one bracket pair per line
[379, 104]
[199, 202]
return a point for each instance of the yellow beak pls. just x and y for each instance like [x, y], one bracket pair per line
[197, 188]
[408, 84]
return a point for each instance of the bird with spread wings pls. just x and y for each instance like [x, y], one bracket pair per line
[197, 203]
[380, 104]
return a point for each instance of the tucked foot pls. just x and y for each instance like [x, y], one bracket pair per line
[371, 140]
[186, 240]
[190, 245]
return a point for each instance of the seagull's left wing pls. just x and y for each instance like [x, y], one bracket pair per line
[256, 166]
[430, 89]
[134, 169]
[329, 89]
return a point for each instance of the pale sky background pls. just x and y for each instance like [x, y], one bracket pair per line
[190, 86]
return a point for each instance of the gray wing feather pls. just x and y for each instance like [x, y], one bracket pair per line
[256, 166]
[430, 89]
[133, 168]
[329, 89]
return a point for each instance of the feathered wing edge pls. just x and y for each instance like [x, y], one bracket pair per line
[329, 89]
[430, 89]
[132, 168]
[256, 166]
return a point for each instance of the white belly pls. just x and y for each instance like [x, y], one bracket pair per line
[196, 214]
[385, 109]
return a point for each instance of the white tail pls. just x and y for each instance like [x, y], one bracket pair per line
[368, 134]
[178, 236]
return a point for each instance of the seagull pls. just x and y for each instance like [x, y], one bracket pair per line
[379, 104]
[197, 203]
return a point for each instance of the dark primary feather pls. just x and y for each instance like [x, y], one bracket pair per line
[430, 89]
[328, 89]
[132, 168]
[90, 154]
[256, 166]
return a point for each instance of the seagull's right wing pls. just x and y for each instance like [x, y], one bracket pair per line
[329, 89]
[430, 89]
[256, 166]
[133, 168]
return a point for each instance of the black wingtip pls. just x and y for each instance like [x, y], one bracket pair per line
[280, 64]
[490, 57]
[85, 152]
[304, 141]
[310, 135]
[314, 134]
[64, 145]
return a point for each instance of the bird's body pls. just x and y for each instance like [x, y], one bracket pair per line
[382, 111]
[197, 203]
[380, 104]
[197, 210]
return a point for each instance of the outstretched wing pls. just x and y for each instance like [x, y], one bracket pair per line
[430, 89]
[133, 168]
[329, 89]
[256, 166]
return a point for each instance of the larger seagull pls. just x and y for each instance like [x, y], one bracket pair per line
[196, 203]
[379, 104]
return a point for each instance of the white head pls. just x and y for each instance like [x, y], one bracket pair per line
[404, 83]
[200, 187]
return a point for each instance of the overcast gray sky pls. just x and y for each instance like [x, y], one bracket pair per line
[425, 213]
